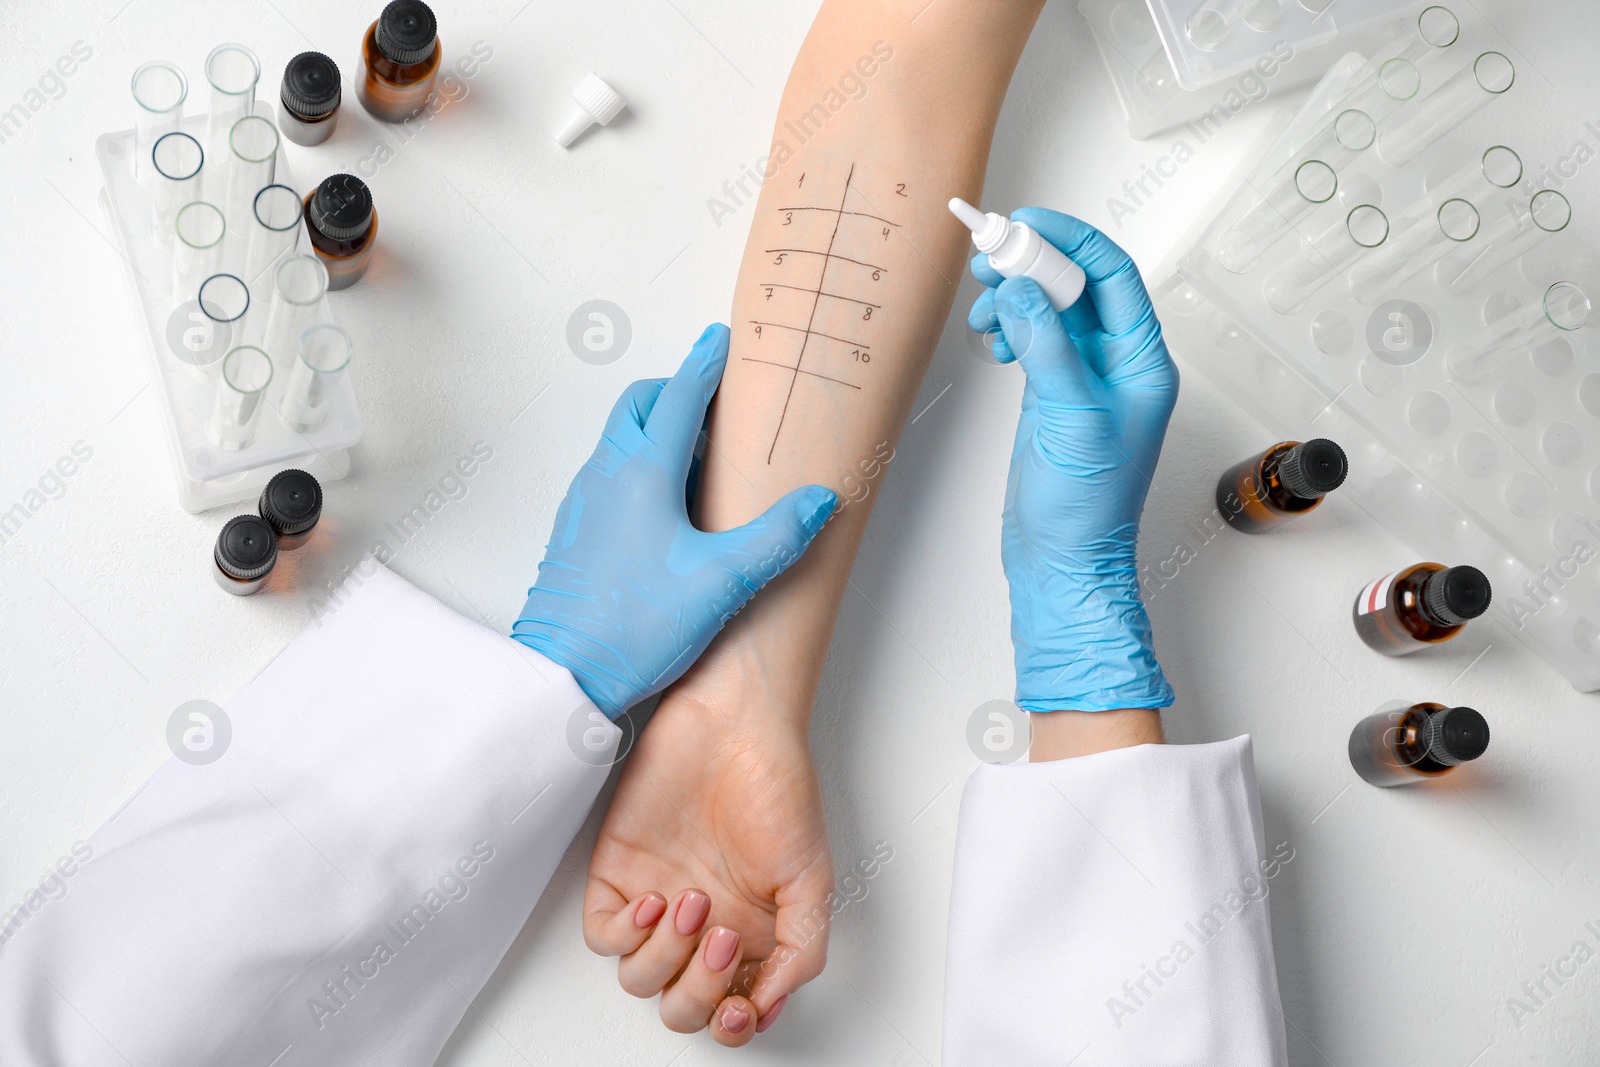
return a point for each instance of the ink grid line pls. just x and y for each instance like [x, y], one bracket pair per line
[817, 294]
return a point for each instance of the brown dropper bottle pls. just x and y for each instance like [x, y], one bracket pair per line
[1401, 745]
[342, 225]
[310, 98]
[1287, 480]
[399, 60]
[245, 553]
[291, 503]
[1425, 604]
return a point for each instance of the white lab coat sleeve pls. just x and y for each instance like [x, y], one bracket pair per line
[1111, 911]
[337, 887]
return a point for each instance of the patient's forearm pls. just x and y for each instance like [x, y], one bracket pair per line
[847, 279]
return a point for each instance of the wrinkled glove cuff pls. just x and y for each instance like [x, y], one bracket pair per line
[1098, 657]
[593, 664]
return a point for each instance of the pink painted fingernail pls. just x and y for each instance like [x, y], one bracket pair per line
[772, 1016]
[649, 911]
[733, 1019]
[692, 911]
[720, 947]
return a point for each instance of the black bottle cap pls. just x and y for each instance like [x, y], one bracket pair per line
[1455, 735]
[246, 548]
[1456, 594]
[341, 208]
[310, 85]
[1314, 469]
[407, 32]
[291, 503]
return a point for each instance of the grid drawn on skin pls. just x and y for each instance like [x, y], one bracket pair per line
[819, 293]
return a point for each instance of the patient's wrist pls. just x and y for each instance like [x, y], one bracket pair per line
[1064, 734]
[740, 679]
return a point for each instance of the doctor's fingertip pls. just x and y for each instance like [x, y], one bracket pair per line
[822, 503]
[1021, 298]
[981, 316]
[711, 335]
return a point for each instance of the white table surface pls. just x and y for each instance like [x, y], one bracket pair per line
[1406, 919]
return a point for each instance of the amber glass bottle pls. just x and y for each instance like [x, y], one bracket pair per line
[310, 98]
[399, 60]
[244, 555]
[342, 225]
[1286, 480]
[1425, 604]
[1401, 745]
[291, 503]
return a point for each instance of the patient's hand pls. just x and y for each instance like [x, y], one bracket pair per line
[843, 292]
[713, 801]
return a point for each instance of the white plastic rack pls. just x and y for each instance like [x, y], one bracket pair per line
[1405, 266]
[172, 330]
[1154, 99]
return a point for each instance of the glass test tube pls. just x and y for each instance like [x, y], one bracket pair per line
[1381, 86]
[1497, 169]
[225, 301]
[274, 229]
[176, 160]
[232, 70]
[1509, 234]
[1210, 25]
[1422, 42]
[1436, 114]
[1428, 235]
[197, 250]
[1563, 310]
[1327, 254]
[324, 354]
[1311, 183]
[159, 89]
[252, 163]
[241, 394]
[297, 288]
[1386, 83]
[1310, 178]
[1343, 136]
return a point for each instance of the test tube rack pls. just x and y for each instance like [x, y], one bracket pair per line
[1495, 465]
[1211, 40]
[1147, 84]
[207, 475]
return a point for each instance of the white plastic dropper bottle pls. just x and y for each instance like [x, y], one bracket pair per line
[1016, 250]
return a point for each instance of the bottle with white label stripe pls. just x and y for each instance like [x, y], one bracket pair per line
[1425, 604]
[1287, 480]
[1403, 743]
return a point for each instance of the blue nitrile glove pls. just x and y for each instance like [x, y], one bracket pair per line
[630, 593]
[1100, 389]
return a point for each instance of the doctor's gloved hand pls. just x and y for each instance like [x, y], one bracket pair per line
[1100, 391]
[630, 593]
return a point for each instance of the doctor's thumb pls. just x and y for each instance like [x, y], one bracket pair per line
[769, 544]
[1037, 337]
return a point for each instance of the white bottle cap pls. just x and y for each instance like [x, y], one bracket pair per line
[988, 229]
[597, 102]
